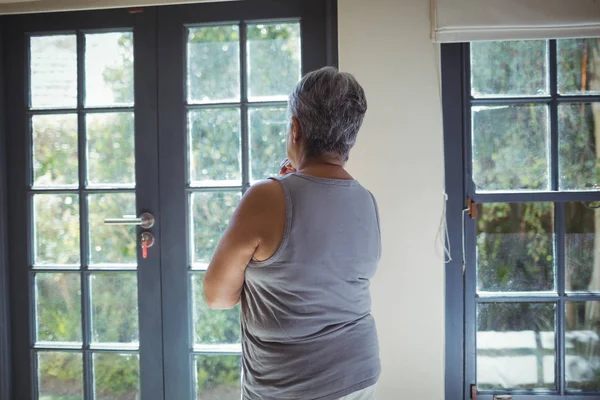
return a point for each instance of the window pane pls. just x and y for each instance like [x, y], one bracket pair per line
[54, 140]
[509, 68]
[60, 375]
[116, 376]
[582, 247]
[268, 129]
[515, 346]
[210, 213]
[112, 244]
[58, 307]
[213, 327]
[56, 219]
[274, 65]
[213, 64]
[109, 69]
[114, 306]
[579, 163]
[218, 377]
[215, 147]
[578, 66]
[53, 71]
[510, 148]
[111, 149]
[515, 247]
[583, 346]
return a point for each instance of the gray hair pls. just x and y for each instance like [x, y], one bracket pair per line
[330, 107]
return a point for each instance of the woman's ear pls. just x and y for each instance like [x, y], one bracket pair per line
[296, 134]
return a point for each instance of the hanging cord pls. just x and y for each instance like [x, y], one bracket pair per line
[464, 240]
[589, 205]
[443, 236]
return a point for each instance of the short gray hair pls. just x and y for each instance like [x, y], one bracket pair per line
[330, 107]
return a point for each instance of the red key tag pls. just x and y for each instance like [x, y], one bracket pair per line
[144, 249]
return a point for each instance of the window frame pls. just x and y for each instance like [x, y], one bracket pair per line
[461, 298]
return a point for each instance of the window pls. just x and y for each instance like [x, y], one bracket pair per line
[530, 132]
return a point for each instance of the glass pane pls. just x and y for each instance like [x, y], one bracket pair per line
[582, 247]
[53, 71]
[60, 375]
[509, 68]
[109, 69]
[213, 64]
[582, 365]
[215, 147]
[110, 149]
[213, 327]
[56, 219]
[54, 140]
[268, 129]
[112, 244]
[114, 308]
[510, 148]
[58, 307]
[579, 145]
[210, 213]
[515, 346]
[116, 376]
[515, 247]
[274, 65]
[218, 377]
[578, 66]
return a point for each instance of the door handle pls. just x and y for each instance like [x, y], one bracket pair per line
[145, 220]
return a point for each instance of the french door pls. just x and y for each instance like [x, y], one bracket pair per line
[132, 135]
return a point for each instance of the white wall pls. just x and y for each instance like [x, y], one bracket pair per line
[386, 45]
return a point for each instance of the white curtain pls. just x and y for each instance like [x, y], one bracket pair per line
[471, 20]
[33, 6]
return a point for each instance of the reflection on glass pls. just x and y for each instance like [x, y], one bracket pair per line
[515, 346]
[56, 219]
[515, 247]
[509, 68]
[213, 64]
[578, 66]
[109, 69]
[112, 244]
[274, 65]
[116, 376]
[210, 213]
[268, 128]
[579, 162]
[510, 148]
[582, 247]
[60, 375]
[114, 307]
[53, 71]
[215, 147]
[218, 377]
[213, 327]
[582, 365]
[58, 307]
[54, 140]
[110, 149]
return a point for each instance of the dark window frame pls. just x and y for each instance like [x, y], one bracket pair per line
[460, 361]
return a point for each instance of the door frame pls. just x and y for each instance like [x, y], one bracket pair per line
[16, 29]
[318, 20]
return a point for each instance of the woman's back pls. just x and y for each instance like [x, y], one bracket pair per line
[307, 331]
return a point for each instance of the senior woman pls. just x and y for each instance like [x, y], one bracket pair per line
[299, 254]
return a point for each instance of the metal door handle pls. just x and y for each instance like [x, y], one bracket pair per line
[145, 220]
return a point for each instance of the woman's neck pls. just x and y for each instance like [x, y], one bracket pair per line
[324, 167]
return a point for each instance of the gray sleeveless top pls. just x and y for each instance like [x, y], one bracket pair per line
[307, 329]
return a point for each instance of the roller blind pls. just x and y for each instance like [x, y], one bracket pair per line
[33, 6]
[472, 20]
